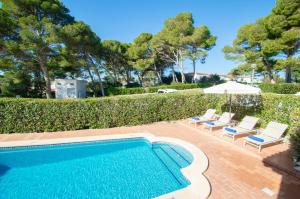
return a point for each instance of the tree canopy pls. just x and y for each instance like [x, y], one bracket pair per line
[40, 41]
[37, 24]
[180, 39]
[272, 42]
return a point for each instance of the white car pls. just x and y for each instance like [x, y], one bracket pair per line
[298, 94]
[167, 90]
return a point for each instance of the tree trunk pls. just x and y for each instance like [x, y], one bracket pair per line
[140, 80]
[128, 77]
[182, 71]
[93, 81]
[115, 77]
[174, 75]
[100, 81]
[182, 77]
[194, 70]
[158, 74]
[288, 74]
[96, 70]
[37, 83]
[270, 75]
[288, 70]
[101, 86]
[47, 80]
[269, 70]
[179, 60]
[159, 77]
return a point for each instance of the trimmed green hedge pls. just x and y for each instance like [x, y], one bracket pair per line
[278, 108]
[39, 115]
[124, 91]
[295, 135]
[139, 90]
[284, 88]
[178, 87]
[267, 106]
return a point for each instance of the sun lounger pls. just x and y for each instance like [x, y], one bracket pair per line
[271, 134]
[208, 116]
[224, 120]
[245, 127]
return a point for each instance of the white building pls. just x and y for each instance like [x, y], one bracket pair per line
[69, 88]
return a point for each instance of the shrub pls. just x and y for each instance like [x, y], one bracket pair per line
[39, 115]
[295, 134]
[139, 90]
[283, 88]
[177, 86]
[243, 105]
[278, 108]
[124, 91]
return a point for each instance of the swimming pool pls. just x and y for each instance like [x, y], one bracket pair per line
[123, 168]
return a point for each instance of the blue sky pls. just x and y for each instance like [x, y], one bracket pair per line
[124, 20]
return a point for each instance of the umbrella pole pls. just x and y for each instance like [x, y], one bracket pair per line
[230, 102]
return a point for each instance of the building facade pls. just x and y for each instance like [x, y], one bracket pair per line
[69, 88]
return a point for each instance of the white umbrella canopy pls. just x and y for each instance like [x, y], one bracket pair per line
[232, 88]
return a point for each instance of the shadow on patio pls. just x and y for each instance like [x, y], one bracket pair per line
[282, 164]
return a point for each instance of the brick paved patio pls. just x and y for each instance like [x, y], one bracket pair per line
[234, 171]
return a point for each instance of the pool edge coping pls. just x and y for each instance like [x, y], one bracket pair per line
[199, 186]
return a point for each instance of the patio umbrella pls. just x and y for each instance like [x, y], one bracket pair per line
[232, 88]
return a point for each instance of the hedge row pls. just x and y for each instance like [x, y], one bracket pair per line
[284, 88]
[295, 136]
[124, 91]
[39, 115]
[178, 86]
[139, 90]
[268, 107]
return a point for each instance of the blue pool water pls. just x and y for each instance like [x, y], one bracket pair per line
[128, 168]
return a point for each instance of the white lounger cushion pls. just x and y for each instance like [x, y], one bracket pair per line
[209, 115]
[275, 130]
[226, 117]
[215, 123]
[272, 133]
[245, 126]
[237, 129]
[248, 122]
[222, 121]
[266, 139]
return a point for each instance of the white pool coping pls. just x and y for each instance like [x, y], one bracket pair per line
[199, 186]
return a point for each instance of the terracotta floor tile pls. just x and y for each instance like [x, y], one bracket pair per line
[234, 171]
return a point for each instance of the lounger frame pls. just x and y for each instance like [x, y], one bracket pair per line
[221, 124]
[277, 128]
[260, 146]
[204, 119]
[244, 128]
[242, 134]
